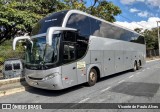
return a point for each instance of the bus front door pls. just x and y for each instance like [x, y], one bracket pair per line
[69, 75]
[69, 70]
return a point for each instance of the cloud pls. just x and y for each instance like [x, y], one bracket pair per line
[134, 10]
[144, 14]
[141, 13]
[128, 2]
[149, 24]
[155, 3]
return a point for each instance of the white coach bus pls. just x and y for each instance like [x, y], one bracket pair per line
[71, 47]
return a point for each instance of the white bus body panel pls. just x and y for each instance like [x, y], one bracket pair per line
[118, 55]
[35, 78]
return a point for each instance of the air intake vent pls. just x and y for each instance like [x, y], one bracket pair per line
[35, 78]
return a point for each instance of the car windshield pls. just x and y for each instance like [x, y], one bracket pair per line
[40, 53]
[8, 67]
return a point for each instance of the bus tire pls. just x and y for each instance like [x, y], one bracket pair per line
[92, 79]
[138, 65]
[134, 67]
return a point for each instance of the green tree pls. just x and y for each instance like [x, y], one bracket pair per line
[151, 38]
[105, 10]
[17, 17]
[138, 30]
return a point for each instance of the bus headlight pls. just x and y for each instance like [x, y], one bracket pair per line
[50, 76]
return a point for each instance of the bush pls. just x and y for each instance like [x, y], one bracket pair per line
[7, 52]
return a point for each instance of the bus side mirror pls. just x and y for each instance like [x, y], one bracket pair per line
[20, 38]
[53, 30]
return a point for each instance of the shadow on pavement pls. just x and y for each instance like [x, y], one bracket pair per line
[67, 90]
[137, 88]
[54, 92]
[114, 75]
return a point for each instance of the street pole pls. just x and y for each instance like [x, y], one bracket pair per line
[158, 38]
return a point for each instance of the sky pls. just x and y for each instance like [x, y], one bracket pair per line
[137, 13]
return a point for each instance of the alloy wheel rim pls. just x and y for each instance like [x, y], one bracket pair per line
[92, 76]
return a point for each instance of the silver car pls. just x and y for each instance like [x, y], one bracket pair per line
[12, 68]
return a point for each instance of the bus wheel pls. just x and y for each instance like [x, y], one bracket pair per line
[138, 65]
[92, 77]
[134, 67]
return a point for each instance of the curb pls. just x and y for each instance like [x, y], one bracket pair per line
[14, 90]
[152, 60]
[9, 81]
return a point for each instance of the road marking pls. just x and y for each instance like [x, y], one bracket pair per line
[143, 70]
[131, 76]
[148, 68]
[84, 100]
[138, 72]
[105, 89]
[121, 81]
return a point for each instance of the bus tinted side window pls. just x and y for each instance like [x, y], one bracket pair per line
[69, 47]
[74, 46]
[141, 40]
[126, 35]
[106, 30]
[82, 45]
[80, 22]
[138, 39]
[52, 20]
[90, 26]
[95, 27]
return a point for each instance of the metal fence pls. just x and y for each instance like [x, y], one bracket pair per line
[4, 55]
[152, 53]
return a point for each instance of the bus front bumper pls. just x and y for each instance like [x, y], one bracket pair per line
[54, 83]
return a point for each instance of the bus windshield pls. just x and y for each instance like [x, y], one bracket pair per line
[41, 53]
[52, 20]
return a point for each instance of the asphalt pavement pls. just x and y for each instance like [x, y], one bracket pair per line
[141, 86]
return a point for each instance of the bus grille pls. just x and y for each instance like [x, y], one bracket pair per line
[35, 78]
